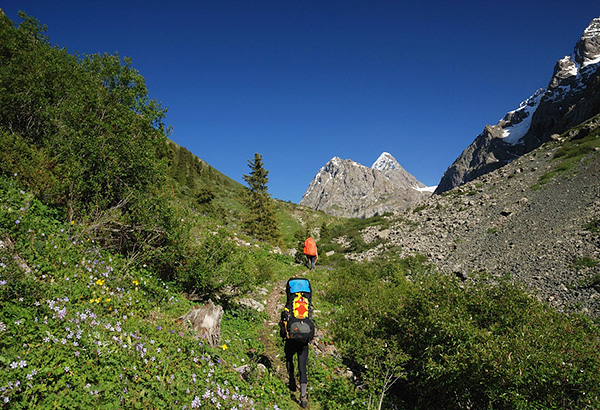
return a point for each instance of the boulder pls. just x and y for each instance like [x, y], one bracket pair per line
[206, 321]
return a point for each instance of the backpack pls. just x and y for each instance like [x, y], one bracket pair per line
[310, 247]
[296, 319]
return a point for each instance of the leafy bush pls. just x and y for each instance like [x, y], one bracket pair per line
[82, 134]
[461, 345]
[216, 263]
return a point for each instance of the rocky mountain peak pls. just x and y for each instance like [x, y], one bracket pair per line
[572, 97]
[343, 187]
[587, 49]
[386, 161]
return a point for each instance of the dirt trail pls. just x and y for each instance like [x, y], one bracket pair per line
[273, 350]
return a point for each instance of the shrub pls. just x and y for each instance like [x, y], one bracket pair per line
[478, 344]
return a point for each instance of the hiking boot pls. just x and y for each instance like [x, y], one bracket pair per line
[292, 385]
[303, 401]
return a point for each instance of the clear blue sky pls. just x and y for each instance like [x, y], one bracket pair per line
[303, 81]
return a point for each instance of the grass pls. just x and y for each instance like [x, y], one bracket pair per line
[571, 153]
[82, 327]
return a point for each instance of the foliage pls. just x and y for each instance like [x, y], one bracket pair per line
[83, 135]
[477, 344]
[82, 327]
[349, 229]
[593, 226]
[215, 264]
[201, 186]
[260, 221]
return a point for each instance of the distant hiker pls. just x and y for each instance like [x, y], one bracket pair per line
[297, 329]
[310, 250]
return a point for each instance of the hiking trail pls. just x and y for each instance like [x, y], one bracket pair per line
[270, 332]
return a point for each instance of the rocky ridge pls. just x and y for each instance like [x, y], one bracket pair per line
[507, 223]
[346, 188]
[572, 96]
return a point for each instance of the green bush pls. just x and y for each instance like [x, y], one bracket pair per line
[477, 344]
[214, 264]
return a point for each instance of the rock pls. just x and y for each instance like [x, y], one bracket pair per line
[252, 304]
[246, 370]
[206, 321]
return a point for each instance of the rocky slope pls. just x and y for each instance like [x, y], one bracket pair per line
[572, 96]
[346, 188]
[506, 222]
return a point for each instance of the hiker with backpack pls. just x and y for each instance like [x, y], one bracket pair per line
[310, 250]
[297, 330]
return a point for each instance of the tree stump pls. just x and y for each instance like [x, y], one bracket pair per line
[206, 321]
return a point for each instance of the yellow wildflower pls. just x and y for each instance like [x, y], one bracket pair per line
[224, 347]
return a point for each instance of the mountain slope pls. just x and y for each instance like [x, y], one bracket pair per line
[349, 189]
[572, 96]
[535, 220]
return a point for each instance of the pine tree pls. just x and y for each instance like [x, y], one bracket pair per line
[261, 220]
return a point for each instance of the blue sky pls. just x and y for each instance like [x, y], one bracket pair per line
[303, 81]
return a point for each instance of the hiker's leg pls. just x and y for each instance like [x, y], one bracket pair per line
[289, 363]
[302, 362]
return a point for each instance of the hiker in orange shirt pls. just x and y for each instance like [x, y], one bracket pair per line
[310, 250]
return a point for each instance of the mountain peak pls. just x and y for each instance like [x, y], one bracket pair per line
[347, 188]
[587, 50]
[386, 161]
[572, 96]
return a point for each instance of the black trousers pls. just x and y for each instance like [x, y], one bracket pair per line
[291, 349]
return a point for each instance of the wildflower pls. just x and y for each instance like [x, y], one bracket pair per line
[100, 282]
[224, 347]
[72, 223]
[2, 327]
[196, 403]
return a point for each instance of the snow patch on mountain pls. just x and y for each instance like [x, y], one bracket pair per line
[513, 133]
[385, 161]
[427, 189]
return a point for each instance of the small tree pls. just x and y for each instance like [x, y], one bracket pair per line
[261, 220]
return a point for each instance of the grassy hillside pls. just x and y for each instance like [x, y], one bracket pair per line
[109, 233]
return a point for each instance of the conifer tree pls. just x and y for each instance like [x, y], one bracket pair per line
[261, 220]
